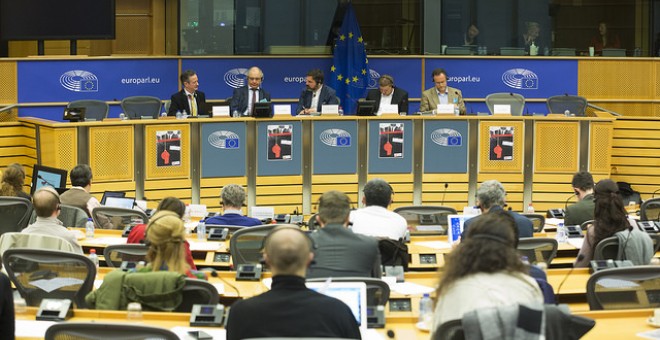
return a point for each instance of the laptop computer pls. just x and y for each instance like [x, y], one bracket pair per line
[120, 202]
[353, 294]
[107, 194]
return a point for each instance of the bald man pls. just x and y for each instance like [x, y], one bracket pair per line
[243, 99]
[289, 309]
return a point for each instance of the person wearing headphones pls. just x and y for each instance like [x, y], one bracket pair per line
[388, 94]
[189, 100]
[289, 308]
[583, 210]
[46, 203]
[244, 98]
[315, 94]
[374, 219]
[441, 94]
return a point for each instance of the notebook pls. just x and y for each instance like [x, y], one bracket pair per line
[353, 294]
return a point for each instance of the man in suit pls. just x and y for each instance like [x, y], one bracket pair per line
[188, 100]
[315, 94]
[387, 94]
[583, 210]
[243, 99]
[441, 94]
[338, 252]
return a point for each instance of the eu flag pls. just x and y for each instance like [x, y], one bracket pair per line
[350, 75]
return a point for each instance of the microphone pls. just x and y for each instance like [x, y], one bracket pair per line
[568, 199]
[579, 258]
[214, 273]
[444, 193]
[653, 195]
[45, 181]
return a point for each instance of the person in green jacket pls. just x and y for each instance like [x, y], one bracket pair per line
[583, 210]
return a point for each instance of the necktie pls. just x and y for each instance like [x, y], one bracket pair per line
[193, 105]
[254, 100]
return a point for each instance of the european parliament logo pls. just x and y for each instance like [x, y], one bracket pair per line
[79, 81]
[373, 79]
[521, 79]
[224, 140]
[335, 138]
[447, 137]
[236, 77]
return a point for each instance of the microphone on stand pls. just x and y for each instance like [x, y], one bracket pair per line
[444, 193]
[45, 181]
[579, 258]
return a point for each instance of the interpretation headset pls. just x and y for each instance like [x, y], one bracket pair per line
[388, 78]
[163, 213]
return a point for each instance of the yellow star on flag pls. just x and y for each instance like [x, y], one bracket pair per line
[350, 35]
[348, 81]
[333, 68]
[340, 77]
[360, 40]
[364, 71]
[342, 37]
[355, 79]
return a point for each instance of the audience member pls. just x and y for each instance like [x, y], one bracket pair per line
[165, 237]
[7, 322]
[232, 198]
[388, 94]
[531, 36]
[610, 219]
[604, 39]
[491, 197]
[471, 33]
[175, 205]
[484, 270]
[189, 100]
[374, 219]
[583, 210]
[315, 94]
[338, 251]
[78, 195]
[13, 179]
[244, 98]
[289, 309]
[441, 94]
[46, 203]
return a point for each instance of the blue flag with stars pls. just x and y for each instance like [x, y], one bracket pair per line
[350, 75]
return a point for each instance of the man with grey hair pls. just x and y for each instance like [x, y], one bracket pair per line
[244, 98]
[232, 199]
[491, 197]
[338, 251]
[374, 219]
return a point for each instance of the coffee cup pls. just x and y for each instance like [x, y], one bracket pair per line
[591, 51]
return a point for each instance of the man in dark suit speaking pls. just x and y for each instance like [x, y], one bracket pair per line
[243, 99]
[315, 95]
[387, 94]
[188, 100]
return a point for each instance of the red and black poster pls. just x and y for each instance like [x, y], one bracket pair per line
[390, 142]
[280, 142]
[168, 148]
[501, 143]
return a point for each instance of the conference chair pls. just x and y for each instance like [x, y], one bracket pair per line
[576, 105]
[420, 215]
[34, 241]
[166, 105]
[94, 109]
[538, 249]
[15, 213]
[378, 291]
[394, 253]
[197, 292]
[98, 330]
[624, 288]
[450, 330]
[650, 210]
[118, 217]
[69, 215]
[538, 221]
[515, 100]
[245, 245]
[72, 275]
[586, 224]
[313, 224]
[608, 248]
[115, 254]
[136, 107]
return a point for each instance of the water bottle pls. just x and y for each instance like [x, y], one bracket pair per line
[89, 228]
[179, 115]
[567, 113]
[426, 310]
[235, 114]
[94, 258]
[122, 116]
[163, 114]
[341, 111]
[201, 230]
[562, 237]
[530, 208]
[456, 110]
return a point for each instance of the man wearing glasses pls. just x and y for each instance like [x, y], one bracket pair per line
[244, 98]
[441, 94]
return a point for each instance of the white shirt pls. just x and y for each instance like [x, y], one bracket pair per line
[385, 100]
[53, 227]
[315, 98]
[249, 103]
[443, 97]
[378, 222]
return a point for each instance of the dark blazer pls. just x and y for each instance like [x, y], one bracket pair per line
[327, 96]
[524, 224]
[179, 102]
[399, 97]
[580, 212]
[339, 252]
[239, 100]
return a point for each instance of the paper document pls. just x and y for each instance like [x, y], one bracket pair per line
[616, 283]
[553, 221]
[220, 287]
[216, 333]
[106, 240]
[56, 283]
[653, 334]
[410, 288]
[576, 242]
[262, 212]
[206, 246]
[434, 244]
[32, 328]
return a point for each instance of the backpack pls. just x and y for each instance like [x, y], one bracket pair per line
[393, 253]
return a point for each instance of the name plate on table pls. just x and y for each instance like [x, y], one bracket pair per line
[445, 109]
[221, 111]
[389, 109]
[282, 109]
[330, 109]
[502, 109]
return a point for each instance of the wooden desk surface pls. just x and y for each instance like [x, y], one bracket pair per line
[620, 324]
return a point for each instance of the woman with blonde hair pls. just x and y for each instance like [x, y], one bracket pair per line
[13, 179]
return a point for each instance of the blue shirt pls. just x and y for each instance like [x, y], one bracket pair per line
[234, 219]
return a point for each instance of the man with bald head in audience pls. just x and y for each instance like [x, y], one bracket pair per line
[290, 309]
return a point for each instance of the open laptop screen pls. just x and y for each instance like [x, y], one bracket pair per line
[353, 294]
[107, 194]
[120, 202]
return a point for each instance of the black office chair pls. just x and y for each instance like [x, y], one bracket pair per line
[378, 291]
[96, 330]
[450, 330]
[313, 224]
[607, 249]
[94, 109]
[115, 254]
[118, 218]
[15, 213]
[26, 267]
[136, 107]
[245, 245]
[538, 221]
[538, 249]
[573, 104]
[197, 292]
[650, 210]
[624, 288]
[394, 253]
[586, 224]
[515, 100]
[69, 215]
[420, 215]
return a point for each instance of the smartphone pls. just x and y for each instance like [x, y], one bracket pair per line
[200, 335]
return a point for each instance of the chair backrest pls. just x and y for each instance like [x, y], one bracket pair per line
[70, 216]
[115, 254]
[516, 101]
[119, 217]
[313, 224]
[607, 249]
[94, 109]
[378, 291]
[394, 253]
[34, 241]
[573, 104]
[538, 249]
[586, 224]
[419, 214]
[197, 292]
[624, 288]
[68, 275]
[450, 330]
[136, 107]
[245, 245]
[97, 330]
[15, 213]
[538, 221]
[650, 210]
